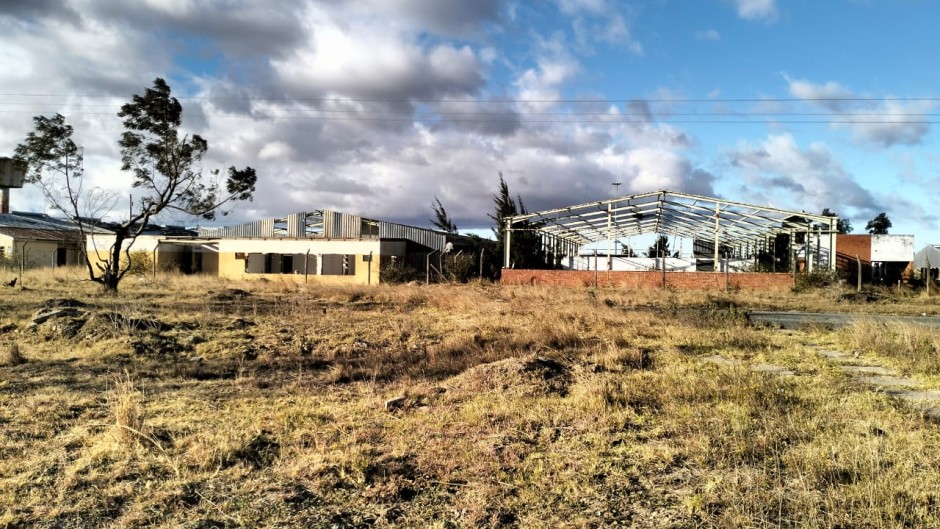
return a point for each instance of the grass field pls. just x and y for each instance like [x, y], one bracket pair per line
[187, 402]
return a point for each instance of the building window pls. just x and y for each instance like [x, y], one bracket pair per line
[275, 263]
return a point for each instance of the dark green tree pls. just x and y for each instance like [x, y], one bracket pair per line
[165, 167]
[879, 225]
[441, 220]
[660, 248]
[525, 245]
[843, 225]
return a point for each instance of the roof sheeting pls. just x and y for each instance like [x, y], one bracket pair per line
[669, 213]
[928, 257]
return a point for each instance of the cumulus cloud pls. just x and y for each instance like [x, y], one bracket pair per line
[879, 123]
[765, 10]
[364, 62]
[373, 107]
[599, 21]
[810, 179]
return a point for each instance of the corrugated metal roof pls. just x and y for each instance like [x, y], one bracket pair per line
[35, 221]
[68, 236]
[928, 257]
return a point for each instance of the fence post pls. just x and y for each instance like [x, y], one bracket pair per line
[859, 280]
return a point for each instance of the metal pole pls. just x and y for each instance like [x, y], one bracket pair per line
[664, 272]
[859, 280]
[610, 258]
[833, 239]
[595, 267]
[727, 275]
[806, 251]
[507, 239]
[368, 269]
[306, 265]
[717, 214]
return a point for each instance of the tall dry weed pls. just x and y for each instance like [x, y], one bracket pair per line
[127, 411]
[914, 348]
[13, 356]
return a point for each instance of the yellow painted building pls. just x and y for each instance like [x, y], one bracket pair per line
[321, 247]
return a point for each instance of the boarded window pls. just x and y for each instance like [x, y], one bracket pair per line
[339, 265]
[255, 263]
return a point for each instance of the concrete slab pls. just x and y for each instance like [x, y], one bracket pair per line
[774, 370]
[867, 370]
[888, 381]
[832, 354]
[914, 395]
[717, 359]
[839, 357]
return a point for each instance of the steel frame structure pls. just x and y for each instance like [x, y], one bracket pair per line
[726, 222]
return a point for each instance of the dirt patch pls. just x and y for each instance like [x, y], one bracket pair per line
[229, 294]
[63, 303]
[260, 451]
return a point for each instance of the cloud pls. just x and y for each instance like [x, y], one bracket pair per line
[765, 10]
[366, 61]
[879, 123]
[235, 28]
[459, 17]
[708, 34]
[373, 107]
[597, 21]
[810, 179]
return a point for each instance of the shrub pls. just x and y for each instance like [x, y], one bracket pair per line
[397, 272]
[14, 357]
[141, 263]
[816, 279]
[461, 268]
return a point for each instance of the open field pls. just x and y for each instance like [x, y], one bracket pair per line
[189, 402]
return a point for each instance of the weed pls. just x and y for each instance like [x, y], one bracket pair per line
[13, 355]
[127, 411]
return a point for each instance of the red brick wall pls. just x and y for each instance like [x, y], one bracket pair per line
[852, 245]
[651, 279]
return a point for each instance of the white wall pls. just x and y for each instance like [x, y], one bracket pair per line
[892, 248]
[298, 246]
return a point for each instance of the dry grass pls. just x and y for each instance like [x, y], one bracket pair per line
[13, 355]
[522, 407]
[912, 348]
[127, 411]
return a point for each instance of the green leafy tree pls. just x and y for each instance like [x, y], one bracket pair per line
[879, 225]
[660, 248]
[843, 225]
[441, 220]
[165, 168]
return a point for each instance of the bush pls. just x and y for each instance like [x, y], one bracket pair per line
[461, 268]
[816, 279]
[141, 263]
[397, 272]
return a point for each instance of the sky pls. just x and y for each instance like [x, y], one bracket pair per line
[377, 107]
